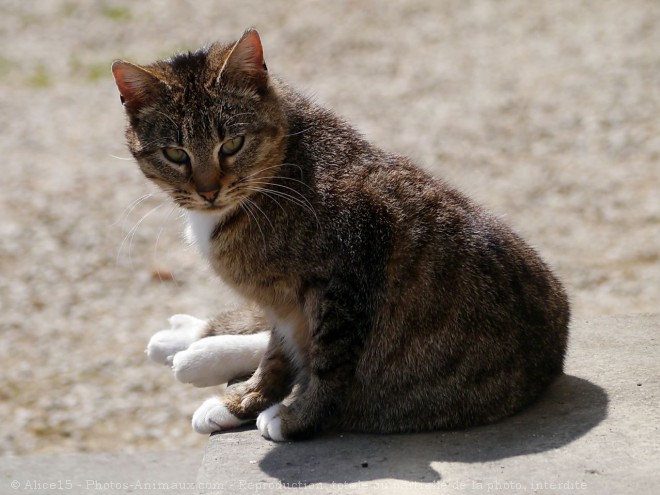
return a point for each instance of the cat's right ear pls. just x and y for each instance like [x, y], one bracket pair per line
[136, 85]
[245, 63]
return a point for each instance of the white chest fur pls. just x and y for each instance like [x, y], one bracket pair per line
[199, 230]
[287, 331]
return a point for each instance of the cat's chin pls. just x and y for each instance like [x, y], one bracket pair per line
[212, 210]
[216, 210]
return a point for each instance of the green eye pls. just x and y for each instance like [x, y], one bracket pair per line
[232, 146]
[176, 155]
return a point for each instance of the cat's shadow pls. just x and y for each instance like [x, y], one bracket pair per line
[571, 407]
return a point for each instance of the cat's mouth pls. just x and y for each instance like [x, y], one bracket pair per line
[214, 208]
[230, 196]
[218, 206]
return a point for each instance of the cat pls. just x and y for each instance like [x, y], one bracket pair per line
[379, 298]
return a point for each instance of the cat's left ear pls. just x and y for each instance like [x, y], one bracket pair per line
[245, 62]
[136, 85]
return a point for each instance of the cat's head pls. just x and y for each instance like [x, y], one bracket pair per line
[203, 125]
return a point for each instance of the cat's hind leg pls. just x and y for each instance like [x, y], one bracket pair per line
[211, 352]
[219, 359]
[183, 331]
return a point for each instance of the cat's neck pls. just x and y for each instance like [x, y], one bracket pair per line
[200, 227]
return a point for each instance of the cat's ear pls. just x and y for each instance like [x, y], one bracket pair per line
[245, 62]
[136, 85]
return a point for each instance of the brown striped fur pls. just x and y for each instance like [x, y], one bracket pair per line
[396, 303]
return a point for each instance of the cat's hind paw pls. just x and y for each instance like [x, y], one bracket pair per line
[185, 330]
[213, 415]
[219, 359]
[201, 364]
[269, 423]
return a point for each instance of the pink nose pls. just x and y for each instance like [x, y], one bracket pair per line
[209, 196]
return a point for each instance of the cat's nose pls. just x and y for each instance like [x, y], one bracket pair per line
[209, 196]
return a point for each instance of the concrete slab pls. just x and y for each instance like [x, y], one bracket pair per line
[595, 431]
[173, 473]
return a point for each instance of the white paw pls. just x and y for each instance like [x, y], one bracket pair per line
[185, 330]
[199, 365]
[213, 415]
[218, 359]
[269, 423]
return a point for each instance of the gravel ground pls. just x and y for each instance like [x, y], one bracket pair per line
[546, 112]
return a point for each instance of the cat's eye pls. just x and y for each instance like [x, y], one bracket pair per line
[232, 146]
[176, 155]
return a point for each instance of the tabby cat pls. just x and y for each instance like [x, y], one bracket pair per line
[379, 299]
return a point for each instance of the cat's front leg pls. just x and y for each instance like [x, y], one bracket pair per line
[242, 402]
[317, 398]
[315, 408]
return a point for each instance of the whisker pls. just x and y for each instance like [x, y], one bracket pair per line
[162, 227]
[136, 227]
[129, 209]
[245, 207]
[275, 184]
[260, 210]
[285, 196]
[280, 194]
[130, 158]
[272, 198]
[299, 132]
[160, 232]
[293, 165]
[243, 179]
[131, 233]
[283, 177]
